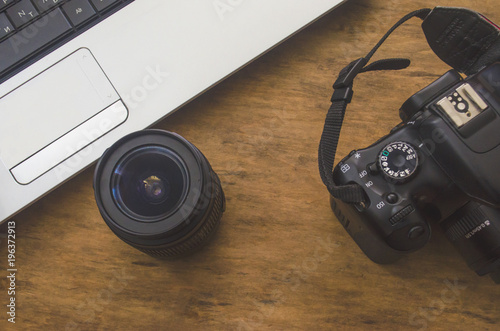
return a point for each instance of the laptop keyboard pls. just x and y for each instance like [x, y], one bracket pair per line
[29, 29]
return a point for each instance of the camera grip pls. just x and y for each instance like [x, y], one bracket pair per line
[373, 247]
[383, 244]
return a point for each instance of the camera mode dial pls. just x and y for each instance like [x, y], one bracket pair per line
[398, 161]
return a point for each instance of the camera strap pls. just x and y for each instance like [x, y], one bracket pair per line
[464, 39]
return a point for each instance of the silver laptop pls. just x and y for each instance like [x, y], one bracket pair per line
[77, 75]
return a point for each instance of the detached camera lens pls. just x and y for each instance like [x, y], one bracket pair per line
[158, 193]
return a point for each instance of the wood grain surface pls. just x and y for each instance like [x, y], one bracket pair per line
[280, 260]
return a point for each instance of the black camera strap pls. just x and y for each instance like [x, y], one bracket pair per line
[464, 39]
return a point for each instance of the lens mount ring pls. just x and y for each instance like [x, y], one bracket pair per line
[474, 229]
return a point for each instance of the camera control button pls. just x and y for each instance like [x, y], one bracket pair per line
[416, 232]
[398, 161]
[392, 198]
[401, 215]
[373, 169]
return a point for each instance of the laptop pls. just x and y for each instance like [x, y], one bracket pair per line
[77, 75]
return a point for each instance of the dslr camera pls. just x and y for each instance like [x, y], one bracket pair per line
[441, 164]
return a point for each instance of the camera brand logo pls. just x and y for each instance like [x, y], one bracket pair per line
[480, 227]
[223, 7]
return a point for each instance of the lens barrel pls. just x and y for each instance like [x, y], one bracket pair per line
[157, 192]
[474, 230]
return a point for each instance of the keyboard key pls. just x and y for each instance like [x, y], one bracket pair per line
[44, 5]
[22, 12]
[5, 3]
[26, 42]
[100, 5]
[78, 11]
[5, 26]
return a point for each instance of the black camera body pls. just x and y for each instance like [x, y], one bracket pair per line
[441, 164]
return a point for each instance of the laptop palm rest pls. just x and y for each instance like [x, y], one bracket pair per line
[72, 93]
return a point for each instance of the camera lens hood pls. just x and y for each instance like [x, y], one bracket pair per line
[157, 192]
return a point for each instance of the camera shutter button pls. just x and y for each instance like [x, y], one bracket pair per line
[416, 232]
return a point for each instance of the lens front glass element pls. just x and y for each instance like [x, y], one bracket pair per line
[149, 183]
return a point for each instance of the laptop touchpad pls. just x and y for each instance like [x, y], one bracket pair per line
[55, 114]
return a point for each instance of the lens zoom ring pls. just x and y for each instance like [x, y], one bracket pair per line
[465, 224]
[203, 233]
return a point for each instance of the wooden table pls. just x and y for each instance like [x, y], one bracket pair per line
[280, 260]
